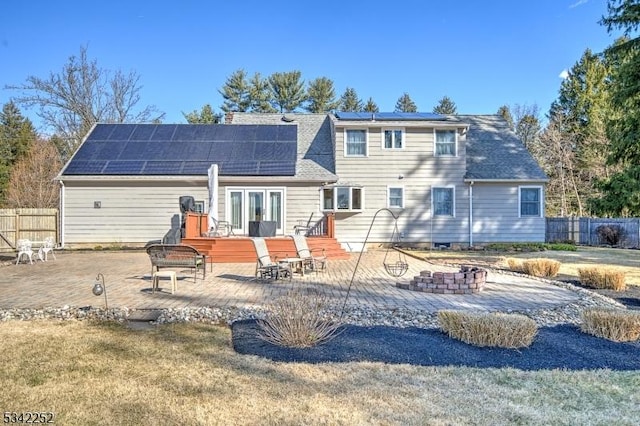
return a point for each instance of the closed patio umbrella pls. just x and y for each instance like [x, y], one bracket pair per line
[213, 196]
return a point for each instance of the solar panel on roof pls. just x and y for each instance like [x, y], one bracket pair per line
[102, 131]
[276, 168]
[227, 133]
[288, 133]
[122, 132]
[85, 167]
[135, 151]
[164, 132]
[245, 150]
[117, 167]
[244, 168]
[389, 116]
[142, 133]
[274, 151]
[195, 167]
[163, 167]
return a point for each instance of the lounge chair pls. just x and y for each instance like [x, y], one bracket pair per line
[309, 259]
[266, 267]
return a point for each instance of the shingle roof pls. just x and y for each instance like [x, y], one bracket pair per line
[494, 152]
[316, 156]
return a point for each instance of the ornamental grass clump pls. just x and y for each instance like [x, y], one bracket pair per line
[489, 329]
[612, 324]
[299, 320]
[514, 265]
[544, 268]
[602, 278]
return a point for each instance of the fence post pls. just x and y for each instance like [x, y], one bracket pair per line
[17, 234]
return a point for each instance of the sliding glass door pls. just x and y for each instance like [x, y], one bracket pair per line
[255, 204]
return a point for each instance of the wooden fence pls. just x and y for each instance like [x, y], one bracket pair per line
[32, 224]
[591, 231]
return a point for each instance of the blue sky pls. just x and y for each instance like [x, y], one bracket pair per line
[482, 54]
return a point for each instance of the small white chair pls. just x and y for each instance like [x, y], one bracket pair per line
[24, 249]
[47, 247]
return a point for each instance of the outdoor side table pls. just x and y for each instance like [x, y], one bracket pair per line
[164, 274]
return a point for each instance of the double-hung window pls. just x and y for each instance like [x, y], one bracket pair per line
[342, 198]
[395, 197]
[355, 143]
[445, 142]
[393, 138]
[530, 201]
[443, 201]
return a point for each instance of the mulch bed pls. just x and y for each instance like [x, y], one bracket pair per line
[629, 297]
[559, 347]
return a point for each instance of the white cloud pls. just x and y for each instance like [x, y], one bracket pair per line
[578, 3]
[564, 74]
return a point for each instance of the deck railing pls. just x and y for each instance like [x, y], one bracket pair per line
[196, 226]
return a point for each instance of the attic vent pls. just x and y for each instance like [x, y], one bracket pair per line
[287, 119]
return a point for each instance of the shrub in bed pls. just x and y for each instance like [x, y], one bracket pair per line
[612, 324]
[489, 329]
[546, 268]
[602, 278]
[298, 319]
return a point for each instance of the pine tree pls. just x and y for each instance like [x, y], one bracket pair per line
[349, 101]
[505, 113]
[370, 106]
[621, 191]
[405, 104]
[17, 136]
[445, 106]
[287, 90]
[259, 95]
[321, 96]
[204, 116]
[235, 92]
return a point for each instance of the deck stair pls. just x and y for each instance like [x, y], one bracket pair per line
[241, 250]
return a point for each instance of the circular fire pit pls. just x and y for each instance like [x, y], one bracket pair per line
[467, 281]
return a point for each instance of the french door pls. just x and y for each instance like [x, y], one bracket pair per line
[255, 204]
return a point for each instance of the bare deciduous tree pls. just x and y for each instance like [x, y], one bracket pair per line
[82, 94]
[31, 184]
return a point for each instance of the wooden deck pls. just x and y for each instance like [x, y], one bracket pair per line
[240, 249]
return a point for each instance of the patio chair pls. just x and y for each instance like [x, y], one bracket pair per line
[24, 249]
[309, 260]
[47, 247]
[303, 227]
[221, 228]
[266, 268]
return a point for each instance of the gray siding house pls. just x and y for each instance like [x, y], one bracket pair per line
[453, 180]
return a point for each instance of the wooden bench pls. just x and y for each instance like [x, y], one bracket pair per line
[177, 256]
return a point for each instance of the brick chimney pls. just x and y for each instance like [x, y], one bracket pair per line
[228, 117]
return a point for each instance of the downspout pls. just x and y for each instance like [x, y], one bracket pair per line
[61, 214]
[471, 214]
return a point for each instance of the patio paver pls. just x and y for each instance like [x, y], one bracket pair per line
[68, 280]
